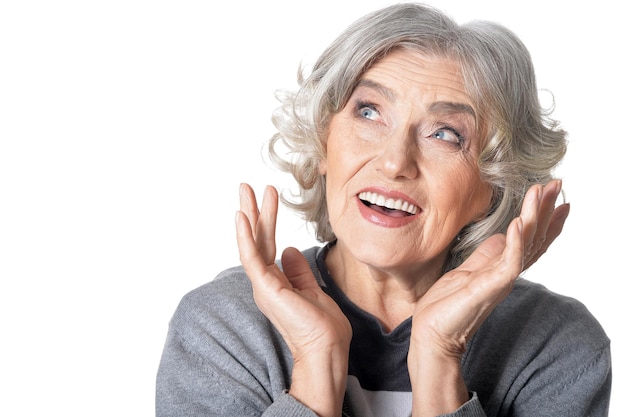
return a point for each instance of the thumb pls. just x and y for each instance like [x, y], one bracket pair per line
[297, 270]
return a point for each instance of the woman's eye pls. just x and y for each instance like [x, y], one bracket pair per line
[449, 135]
[369, 112]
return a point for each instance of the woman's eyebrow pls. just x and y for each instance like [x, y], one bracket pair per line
[439, 107]
[448, 107]
[385, 91]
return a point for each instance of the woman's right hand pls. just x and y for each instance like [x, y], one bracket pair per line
[316, 331]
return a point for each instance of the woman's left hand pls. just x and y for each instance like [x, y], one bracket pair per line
[459, 302]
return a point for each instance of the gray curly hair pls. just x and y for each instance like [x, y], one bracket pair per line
[523, 145]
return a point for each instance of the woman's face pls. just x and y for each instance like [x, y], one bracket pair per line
[401, 172]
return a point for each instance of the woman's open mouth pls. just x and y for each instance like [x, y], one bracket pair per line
[393, 207]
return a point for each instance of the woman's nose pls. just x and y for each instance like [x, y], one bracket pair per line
[398, 158]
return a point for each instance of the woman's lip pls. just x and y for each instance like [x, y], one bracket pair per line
[380, 218]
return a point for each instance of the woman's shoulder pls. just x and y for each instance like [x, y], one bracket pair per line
[227, 298]
[233, 283]
[539, 350]
[536, 319]
[534, 302]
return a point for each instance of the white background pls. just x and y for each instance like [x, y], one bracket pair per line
[126, 127]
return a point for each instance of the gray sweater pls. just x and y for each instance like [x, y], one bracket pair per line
[538, 354]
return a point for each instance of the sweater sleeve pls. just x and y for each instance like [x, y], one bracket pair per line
[223, 358]
[471, 408]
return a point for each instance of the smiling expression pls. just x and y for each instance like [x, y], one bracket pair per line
[401, 173]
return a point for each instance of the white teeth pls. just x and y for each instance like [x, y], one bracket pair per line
[389, 203]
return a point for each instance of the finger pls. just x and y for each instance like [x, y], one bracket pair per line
[266, 226]
[511, 263]
[248, 205]
[505, 251]
[557, 221]
[497, 262]
[554, 229]
[513, 255]
[488, 252]
[250, 257]
[530, 215]
[546, 209]
[297, 270]
[248, 252]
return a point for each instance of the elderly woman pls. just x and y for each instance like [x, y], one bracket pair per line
[425, 163]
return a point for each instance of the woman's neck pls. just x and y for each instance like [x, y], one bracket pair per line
[388, 294]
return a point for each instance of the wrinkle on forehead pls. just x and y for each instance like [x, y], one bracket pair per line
[433, 73]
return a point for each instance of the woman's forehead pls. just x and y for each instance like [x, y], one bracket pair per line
[404, 73]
